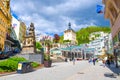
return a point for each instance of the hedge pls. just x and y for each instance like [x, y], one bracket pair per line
[11, 64]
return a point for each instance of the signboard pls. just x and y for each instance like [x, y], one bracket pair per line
[19, 66]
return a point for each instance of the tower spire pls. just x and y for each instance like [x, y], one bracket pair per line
[69, 24]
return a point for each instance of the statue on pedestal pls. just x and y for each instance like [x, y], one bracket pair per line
[29, 42]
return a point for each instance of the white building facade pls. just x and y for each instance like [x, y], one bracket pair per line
[13, 34]
[109, 44]
[97, 35]
[103, 42]
[19, 28]
[16, 26]
[98, 45]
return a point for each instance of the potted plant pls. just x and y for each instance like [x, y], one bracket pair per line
[47, 60]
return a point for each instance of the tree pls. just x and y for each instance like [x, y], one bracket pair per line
[56, 38]
[67, 41]
[38, 45]
[83, 34]
[61, 39]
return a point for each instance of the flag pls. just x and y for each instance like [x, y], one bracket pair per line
[14, 25]
[99, 9]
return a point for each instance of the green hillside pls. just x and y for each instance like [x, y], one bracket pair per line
[83, 34]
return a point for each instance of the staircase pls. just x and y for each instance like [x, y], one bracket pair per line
[58, 59]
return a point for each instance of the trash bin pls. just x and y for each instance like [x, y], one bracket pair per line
[24, 67]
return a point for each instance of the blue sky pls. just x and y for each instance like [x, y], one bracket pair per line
[53, 16]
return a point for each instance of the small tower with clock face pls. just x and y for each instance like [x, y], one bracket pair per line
[70, 34]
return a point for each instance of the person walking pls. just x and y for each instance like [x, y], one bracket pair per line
[66, 60]
[103, 61]
[108, 63]
[94, 61]
[74, 61]
[90, 60]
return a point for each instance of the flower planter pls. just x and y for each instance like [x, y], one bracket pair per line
[47, 63]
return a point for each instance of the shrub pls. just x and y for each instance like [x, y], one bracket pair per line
[8, 65]
[11, 64]
[35, 64]
[46, 57]
[1, 70]
[18, 59]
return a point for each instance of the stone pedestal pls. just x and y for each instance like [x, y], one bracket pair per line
[33, 57]
[28, 50]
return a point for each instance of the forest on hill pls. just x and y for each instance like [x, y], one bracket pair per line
[82, 35]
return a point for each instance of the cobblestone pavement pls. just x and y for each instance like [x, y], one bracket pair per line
[97, 72]
[82, 70]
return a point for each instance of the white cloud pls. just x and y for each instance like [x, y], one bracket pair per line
[54, 18]
[69, 5]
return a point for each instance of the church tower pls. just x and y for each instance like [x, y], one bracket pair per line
[70, 34]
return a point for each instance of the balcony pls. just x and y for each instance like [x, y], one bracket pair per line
[9, 39]
[5, 11]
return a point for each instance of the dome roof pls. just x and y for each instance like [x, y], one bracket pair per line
[69, 27]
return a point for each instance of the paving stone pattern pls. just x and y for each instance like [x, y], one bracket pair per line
[82, 70]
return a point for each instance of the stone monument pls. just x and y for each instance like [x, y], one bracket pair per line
[29, 47]
[29, 42]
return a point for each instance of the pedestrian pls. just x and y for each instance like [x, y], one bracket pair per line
[66, 60]
[108, 63]
[103, 61]
[74, 61]
[94, 61]
[90, 60]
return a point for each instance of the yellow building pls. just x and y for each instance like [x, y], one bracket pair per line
[22, 32]
[5, 21]
[112, 12]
